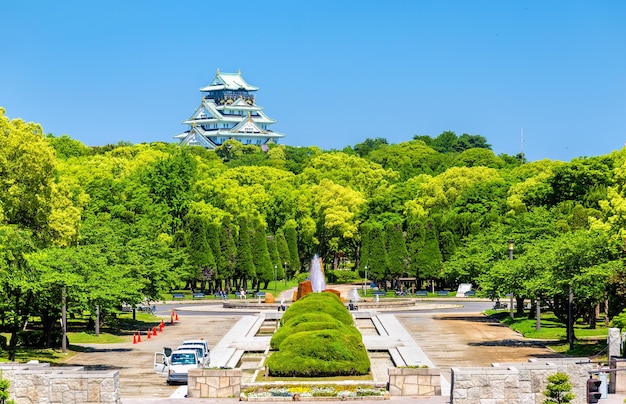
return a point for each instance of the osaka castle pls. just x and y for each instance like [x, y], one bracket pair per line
[228, 111]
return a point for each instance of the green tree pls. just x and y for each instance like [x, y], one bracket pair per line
[397, 254]
[291, 236]
[171, 180]
[199, 249]
[427, 260]
[228, 251]
[261, 257]
[559, 389]
[245, 264]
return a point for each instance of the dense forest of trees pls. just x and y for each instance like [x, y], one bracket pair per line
[125, 223]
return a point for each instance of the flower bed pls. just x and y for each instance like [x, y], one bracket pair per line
[313, 393]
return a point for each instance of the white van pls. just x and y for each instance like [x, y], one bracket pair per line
[176, 366]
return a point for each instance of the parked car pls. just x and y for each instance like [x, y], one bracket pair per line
[203, 355]
[176, 365]
[198, 342]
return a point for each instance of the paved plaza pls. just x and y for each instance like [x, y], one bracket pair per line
[443, 339]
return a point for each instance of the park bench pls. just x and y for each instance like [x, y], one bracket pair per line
[178, 296]
[198, 295]
[260, 295]
[218, 295]
[442, 293]
[377, 294]
[499, 306]
[147, 308]
[470, 293]
[421, 293]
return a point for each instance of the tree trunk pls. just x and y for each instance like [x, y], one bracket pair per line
[533, 309]
[519, 301]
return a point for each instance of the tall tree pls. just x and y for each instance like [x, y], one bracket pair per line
[245, 264]
[261, 257]
[397, 254]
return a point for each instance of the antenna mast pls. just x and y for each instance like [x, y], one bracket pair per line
[522, 144]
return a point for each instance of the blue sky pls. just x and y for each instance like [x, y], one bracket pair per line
[333, 73]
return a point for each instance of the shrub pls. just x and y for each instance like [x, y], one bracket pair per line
[318, 339]
[324, 302]
[304, 322]
[37, 339]
[344, 276]
[4, 390]
[558, 389]
[320, 354]
[619, 321]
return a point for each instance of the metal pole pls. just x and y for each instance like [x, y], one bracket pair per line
[512, 313]
[63, 321]
[538, 322]
[570, 318]
[274, 280]
[97, 320]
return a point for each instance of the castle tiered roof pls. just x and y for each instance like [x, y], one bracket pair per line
[228, 111]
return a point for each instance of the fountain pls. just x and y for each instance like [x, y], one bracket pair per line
[354, 295]
[318, 283]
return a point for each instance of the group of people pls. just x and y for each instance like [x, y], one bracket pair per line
[224, 295]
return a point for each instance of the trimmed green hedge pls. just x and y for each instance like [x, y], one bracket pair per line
[324, 302]
[318, 339]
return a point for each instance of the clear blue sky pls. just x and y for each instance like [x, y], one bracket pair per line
[333, 73]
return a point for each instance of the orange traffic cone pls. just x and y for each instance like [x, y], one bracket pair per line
[134, 338]
[176, 316]
[139, 336]
[161, 326]
[172, 319]
[149, 333]
[154, 331]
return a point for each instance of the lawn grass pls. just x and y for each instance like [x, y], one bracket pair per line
[90, 338]
[587, 341]
[46, 355]
[116, 332]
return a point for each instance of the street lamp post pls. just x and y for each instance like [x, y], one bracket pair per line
[285, 272]
[570, 318]
[364, 282]
[511, 245]
[64, 320]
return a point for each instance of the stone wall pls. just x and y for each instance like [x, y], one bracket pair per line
[414, 382]
[214, 383]
[516, 383]
[41, 383]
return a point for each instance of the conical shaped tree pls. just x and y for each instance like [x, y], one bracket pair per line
[272, 247]
[245, 264]
[397, 254]
[429, 260]
[198, 247]
[213, 239]
[292, 241]
[378, 269]
[283, 253]
[415, 238]
[261, 256]
[228, 249]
